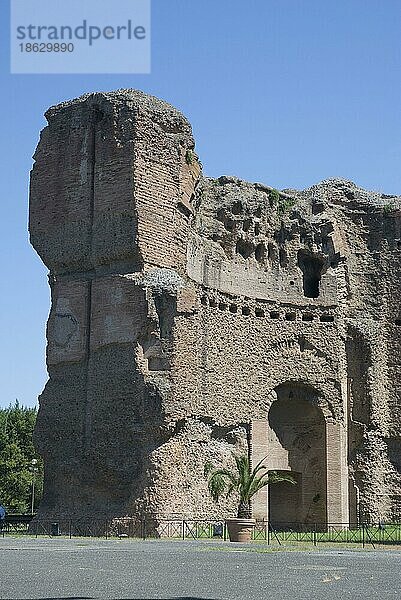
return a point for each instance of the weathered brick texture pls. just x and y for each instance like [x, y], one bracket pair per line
[193, 317]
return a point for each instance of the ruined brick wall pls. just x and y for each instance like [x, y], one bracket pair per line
[184, 308]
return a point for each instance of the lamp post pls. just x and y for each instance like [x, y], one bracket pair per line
[34, 469]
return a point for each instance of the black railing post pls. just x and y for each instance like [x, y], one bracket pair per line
[183, 530]
[314, 536]
[70, 528]
[369, 538]
[363, 535]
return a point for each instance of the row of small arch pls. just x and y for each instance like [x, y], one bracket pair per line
[288, 315]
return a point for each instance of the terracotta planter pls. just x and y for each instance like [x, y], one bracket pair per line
[240, 530]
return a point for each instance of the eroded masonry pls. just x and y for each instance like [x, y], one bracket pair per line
[193, 316]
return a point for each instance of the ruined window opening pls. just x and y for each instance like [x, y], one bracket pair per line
[327, 318]
[307, 317]
[397, 322]
[260, 252]
[227, 222]
[204, 300]
[311, 267]
[259, 312]
[317, 208]
[247, 224]
[258, 228]
[237, 208]
[213, 302]
[274, 314]
[244, 248]
[246, 311]
[290, 316]
[233, 308]
[222, 306]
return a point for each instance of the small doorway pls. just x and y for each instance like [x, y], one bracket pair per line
[285, 502]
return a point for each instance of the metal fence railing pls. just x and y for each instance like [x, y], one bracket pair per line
[202, 529]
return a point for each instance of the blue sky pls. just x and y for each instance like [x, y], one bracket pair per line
[286, 92]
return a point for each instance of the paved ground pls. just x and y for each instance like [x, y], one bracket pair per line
[82, 569]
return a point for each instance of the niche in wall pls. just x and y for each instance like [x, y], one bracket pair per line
[311, 267]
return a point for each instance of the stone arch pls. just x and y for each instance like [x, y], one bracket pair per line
[302, 437]
[305, 391]
[297, 443]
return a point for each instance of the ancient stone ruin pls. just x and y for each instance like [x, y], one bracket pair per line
[194, 316]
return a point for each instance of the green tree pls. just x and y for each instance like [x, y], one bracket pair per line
[243, 481]
[17, 456]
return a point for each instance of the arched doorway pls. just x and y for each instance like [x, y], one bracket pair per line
[297, 444]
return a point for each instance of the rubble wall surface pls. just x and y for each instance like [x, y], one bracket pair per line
[192, 317]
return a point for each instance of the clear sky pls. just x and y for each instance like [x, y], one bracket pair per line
[286, 92]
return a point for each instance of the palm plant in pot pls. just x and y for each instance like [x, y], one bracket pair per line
[245, 482]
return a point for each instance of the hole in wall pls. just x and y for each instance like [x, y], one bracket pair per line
[311, 267]
[233, 308]
[307, 317]
[327, 318]
[236, 208]
[213, 302]
[246, 311]
[272, 252]
[290, 316]
[246, 225]
[317, 208]
[259, 312]
[228, 223]
[274, 314]
[258, 228]
[244, 248]
[222, 306]
[397, 322]
[221, 214]
[292, 282]
[204, 300]
[260, 252]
